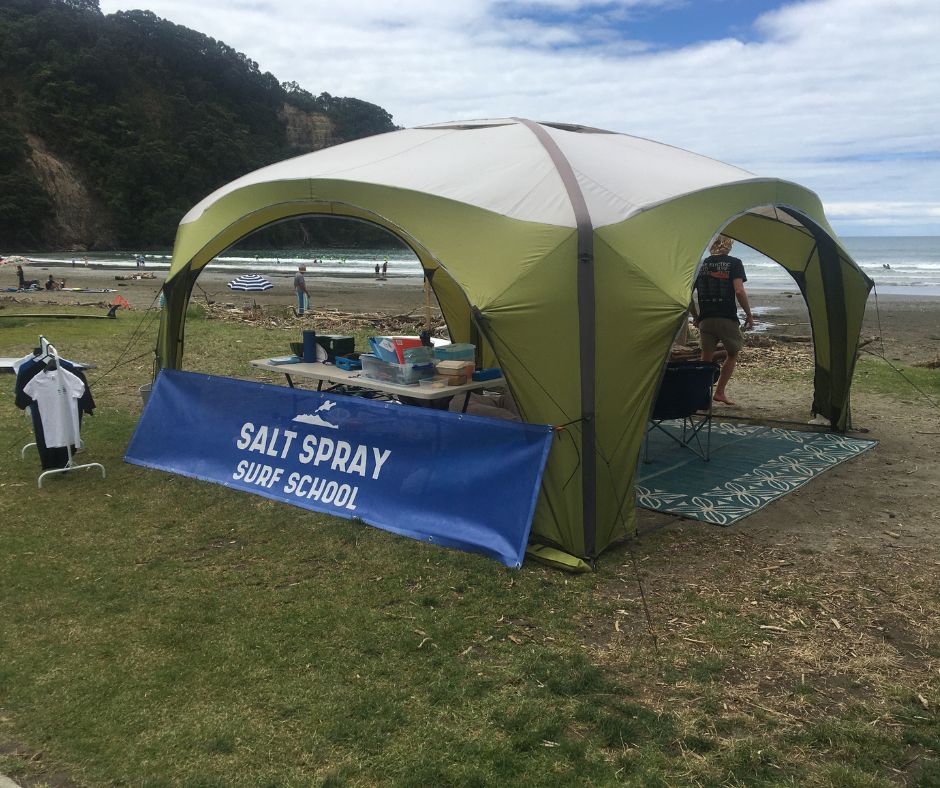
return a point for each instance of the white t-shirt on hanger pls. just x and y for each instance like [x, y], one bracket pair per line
[59, 423]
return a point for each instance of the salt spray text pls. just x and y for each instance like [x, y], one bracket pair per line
[338, 456]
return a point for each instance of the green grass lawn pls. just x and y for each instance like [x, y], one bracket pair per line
[156, 630]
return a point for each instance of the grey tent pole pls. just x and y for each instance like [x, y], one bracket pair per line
[586, 331]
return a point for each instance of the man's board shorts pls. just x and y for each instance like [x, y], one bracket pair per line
[713, 329]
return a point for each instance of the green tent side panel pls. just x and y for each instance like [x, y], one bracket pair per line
[533, 330]
[636, 323]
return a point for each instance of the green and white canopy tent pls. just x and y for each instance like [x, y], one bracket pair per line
[568, 255]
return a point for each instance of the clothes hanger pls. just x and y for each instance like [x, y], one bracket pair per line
[43, 349]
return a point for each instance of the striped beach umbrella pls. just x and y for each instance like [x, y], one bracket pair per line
[250, 283]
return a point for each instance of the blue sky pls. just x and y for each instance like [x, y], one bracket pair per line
[651, 27]
[841, 96]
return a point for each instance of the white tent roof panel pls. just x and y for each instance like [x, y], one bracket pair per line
[500, 166]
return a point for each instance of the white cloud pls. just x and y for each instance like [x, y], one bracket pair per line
[833, 94]
[895, 217]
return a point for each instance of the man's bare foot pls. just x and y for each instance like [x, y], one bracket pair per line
[723, 398]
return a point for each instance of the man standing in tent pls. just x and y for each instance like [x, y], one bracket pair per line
[300, 286]
[720, 282]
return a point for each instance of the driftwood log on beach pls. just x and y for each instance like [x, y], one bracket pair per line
[327, 321]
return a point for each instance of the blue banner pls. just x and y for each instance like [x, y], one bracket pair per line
[452, 479]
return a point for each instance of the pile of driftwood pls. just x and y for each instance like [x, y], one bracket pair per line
[782, 351]
[327, 321]
[46, 302]
[760, 350]
[334, 321]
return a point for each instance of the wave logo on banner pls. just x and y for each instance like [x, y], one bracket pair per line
[452, 479]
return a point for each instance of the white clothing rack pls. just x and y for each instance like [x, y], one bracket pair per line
[67, 415]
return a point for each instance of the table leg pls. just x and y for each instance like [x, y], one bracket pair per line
[466, 401]
[289, 381]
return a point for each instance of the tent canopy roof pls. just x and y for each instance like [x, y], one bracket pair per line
[500, 166]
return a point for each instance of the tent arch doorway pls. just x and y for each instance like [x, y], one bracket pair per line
[814, 259]
[457, 316]
[794, 262]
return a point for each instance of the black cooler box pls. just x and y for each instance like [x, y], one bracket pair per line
[336, 345]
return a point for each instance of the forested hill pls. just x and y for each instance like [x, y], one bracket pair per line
[113, 126]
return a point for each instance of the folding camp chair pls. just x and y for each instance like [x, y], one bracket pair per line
[685, 393]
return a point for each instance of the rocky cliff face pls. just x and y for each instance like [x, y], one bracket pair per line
[80, 222]
[307, 131]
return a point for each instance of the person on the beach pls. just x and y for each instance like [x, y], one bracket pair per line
[719, 284]
[300, 286]
[22, 282]
[376, 270]
[385, 268]
[52, 284]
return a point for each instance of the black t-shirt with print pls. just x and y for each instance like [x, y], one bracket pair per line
[715, 286]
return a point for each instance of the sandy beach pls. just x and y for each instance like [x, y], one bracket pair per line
[360, 294]
[909, 325]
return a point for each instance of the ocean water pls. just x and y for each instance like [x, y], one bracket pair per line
[903, 264]
[913, 263]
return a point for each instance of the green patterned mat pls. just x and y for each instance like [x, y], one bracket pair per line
[750, 467]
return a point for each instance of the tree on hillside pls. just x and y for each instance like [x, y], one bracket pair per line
[151, 115]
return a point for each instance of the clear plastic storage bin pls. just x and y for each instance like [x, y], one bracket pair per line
[389, 372]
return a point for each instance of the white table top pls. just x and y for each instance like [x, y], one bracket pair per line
[332, 374]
